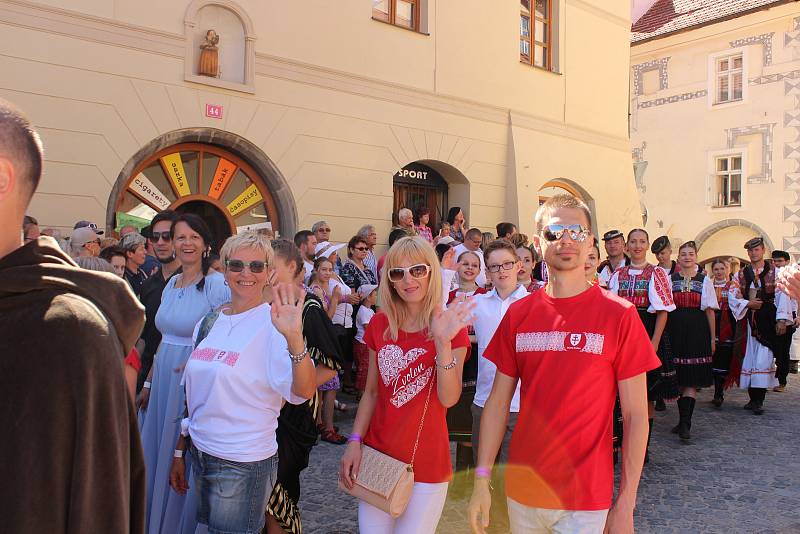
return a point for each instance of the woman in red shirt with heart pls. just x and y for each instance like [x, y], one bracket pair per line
[416, 358]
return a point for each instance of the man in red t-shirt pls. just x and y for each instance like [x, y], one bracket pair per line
[571, 347]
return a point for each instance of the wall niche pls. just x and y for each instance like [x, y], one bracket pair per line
[220, 47]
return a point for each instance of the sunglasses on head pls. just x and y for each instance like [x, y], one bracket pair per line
[554, 232]
[155, 236]
[237, 266]
[420, 270]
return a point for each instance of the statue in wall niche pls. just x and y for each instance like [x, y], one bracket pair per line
[209, 55]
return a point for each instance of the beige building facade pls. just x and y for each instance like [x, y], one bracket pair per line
[293, 112]
[715, 123]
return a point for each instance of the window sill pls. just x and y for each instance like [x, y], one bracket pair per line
[401, 27]
[542, 69]
[726, 207]
[729, 104]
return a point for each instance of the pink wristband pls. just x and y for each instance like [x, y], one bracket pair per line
[354, 437]
[483, 472]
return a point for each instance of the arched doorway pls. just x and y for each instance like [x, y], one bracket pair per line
[220, 176]
[557, 187]
[418, 185]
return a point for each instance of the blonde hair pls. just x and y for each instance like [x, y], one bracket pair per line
[416, 250]
[247, 239]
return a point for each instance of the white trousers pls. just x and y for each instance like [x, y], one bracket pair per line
[529, 520]
[421, 516]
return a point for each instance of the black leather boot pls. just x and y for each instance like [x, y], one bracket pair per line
[684, 423]
[719, 380]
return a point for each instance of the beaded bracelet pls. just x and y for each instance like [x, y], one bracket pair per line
[448, 366]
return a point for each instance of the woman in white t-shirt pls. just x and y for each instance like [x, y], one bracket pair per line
[248, 359]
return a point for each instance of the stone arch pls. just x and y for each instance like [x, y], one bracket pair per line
[190, 24]
[575, 189]
[254, 156]
[710, 230]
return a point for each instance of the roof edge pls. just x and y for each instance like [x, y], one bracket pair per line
[714, 21]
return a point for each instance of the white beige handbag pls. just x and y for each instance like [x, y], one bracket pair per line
[385, 482]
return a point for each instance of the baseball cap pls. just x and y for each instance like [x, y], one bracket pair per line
[446, 240]
[612, 234]
[81, 236]
[326, 248]
[366, 289]
[87, 224]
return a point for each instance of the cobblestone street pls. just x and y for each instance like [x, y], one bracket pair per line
[740, 474]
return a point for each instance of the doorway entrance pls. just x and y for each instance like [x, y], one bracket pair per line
[214, 183]
[415, 186]
[213, 217]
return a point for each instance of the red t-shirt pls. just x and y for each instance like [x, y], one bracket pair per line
[569, 355]
[406, 369]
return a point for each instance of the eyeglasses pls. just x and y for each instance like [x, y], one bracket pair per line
[361, 249]
[155, 236]
[325, 230]
[506, 266]
[420, 270]
[237, 266]
[554, 232]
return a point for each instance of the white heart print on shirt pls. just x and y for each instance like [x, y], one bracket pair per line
[403, 373]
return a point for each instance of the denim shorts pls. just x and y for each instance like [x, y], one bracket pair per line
[233, 495]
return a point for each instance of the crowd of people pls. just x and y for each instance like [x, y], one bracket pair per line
[195, 382]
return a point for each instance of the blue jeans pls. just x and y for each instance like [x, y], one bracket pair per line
[233, 495]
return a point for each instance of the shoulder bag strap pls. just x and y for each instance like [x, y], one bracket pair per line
[424, 413]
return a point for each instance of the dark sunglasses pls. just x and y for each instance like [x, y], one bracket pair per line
[554, 232]
[323, 230]
[420, 270]
[155, 236]
[361, 249]
[237, 266]
[506, 266]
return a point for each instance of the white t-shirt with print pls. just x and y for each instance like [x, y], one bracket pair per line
[236, 382]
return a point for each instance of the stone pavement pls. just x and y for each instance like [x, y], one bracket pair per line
[740, 474]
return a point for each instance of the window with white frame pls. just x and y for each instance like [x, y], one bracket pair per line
[727, 182]
[729, 75]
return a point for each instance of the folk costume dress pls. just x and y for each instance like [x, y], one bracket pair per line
[689, 331]
[649, 290]
[758, 367]
[725, 334]
[297, 428]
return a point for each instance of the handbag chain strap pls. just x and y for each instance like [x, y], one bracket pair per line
[424, 413]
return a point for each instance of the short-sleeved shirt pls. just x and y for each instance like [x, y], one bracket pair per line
[568, 354]
[407, 369]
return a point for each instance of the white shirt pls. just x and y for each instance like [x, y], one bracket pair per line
[607, 271]
[489, 311]
[236, 381]
[344, 310]
[363, 317]
[308, 266]
[481, 278]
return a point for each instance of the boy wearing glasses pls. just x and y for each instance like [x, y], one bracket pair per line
[502, 265]
[570, 347]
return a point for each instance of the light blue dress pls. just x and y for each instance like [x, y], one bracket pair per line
[180, 311]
